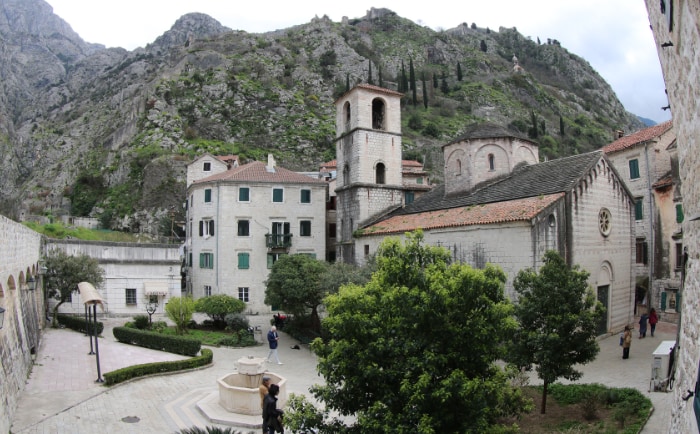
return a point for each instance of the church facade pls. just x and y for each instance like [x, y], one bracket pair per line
[498, 205]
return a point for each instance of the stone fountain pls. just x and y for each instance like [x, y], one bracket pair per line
[238, 402]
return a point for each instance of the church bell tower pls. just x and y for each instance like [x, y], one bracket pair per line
[368, 154]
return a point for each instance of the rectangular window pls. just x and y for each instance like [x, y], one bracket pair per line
[634, 169]
[243, 228]
[189, 262]
[679, 213]
[206, 260]
[207, 195]
[305, 228]
[679, 256]
[332, 228]
[278, 195]
[244, 194]
[419, 180]
[409, 197]
[206, 228]
[641, 251]
[638, 208]
[130, 296]
[244, 261]
[243, 294]
[272, 258]
[207, 290]
[305, 196]
[207, 167]
[332, 203]
[366, 249]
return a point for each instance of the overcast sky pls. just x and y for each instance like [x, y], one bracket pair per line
[613, 36]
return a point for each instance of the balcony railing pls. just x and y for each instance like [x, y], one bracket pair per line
[278, 241]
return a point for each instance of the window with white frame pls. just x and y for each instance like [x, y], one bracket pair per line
[206, 228]
[244, 293]
[207, 290]
[206, 260]
[272, 258]
[243, 228]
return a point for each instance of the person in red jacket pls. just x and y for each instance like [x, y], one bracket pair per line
[653, 319]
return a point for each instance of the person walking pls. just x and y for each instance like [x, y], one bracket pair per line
[272, 340]
[271, 415]
[653, 319]
[626, 343]
[643, 325]
[264, 389]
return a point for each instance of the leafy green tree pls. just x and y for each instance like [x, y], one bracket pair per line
[63, 274]
[415, 349]
[558, 315]
[294, 284]
[180, 310]
[218, 306]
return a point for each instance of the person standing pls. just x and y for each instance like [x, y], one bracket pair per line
[271, 415]
[653, 319]
[264, 390]
[272, 340]
[643, 325]
[626, 343]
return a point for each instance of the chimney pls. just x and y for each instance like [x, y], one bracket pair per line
[270, 163]
[618, 134]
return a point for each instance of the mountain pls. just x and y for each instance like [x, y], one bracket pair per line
[647, 122]
[105, 132]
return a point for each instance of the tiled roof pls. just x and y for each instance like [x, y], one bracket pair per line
[487, 130]
[374, 89]
[499, 212]
[411, 163]
[639, 137]
[550, 177]
[257, 171]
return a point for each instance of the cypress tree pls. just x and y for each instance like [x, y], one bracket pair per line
[435, 81]
[483, 46]
[561, 126]
[443, 86]
[412, 75]
[381, 80]
[459, 72]
[347, 82]
[369, 77]
[425, 91]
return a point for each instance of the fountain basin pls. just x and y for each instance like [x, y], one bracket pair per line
[239, 391]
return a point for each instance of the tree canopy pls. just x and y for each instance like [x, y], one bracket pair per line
[180, 310]
[414, 350]
[218, 306]
[558, 315]
[64, 272]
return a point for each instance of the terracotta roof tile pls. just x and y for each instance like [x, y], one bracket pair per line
[639, 137]
[257, 172]
[490, 213]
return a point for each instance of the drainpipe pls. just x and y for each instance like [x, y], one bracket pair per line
[217, 226]
[651, 230]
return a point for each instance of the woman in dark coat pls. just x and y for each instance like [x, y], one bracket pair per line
[271, 415]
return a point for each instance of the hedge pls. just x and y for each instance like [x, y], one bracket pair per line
[124, 374]
[157, 341]
[78, 323]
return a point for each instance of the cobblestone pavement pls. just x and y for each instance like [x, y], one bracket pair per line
[62, 395]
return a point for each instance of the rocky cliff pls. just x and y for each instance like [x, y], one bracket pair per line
[87, 130]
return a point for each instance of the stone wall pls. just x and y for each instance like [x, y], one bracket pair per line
[20, 249]
[677, 34]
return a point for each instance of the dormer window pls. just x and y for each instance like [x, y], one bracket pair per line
[207, 167]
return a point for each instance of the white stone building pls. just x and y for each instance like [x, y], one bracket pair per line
[675, 25]
[241, 219]
[496, 206]
[647, 162]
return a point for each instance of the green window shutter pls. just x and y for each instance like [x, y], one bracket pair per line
[679, 213]
[270, 260]
[243, 261]
[634, 169]
[639, 209]
[305, 196]
[201, 260]
[663, 300]
[678, 302]
[244, 194]
[207, 195]
[277, 195]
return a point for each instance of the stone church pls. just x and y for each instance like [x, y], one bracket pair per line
[497, 205]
